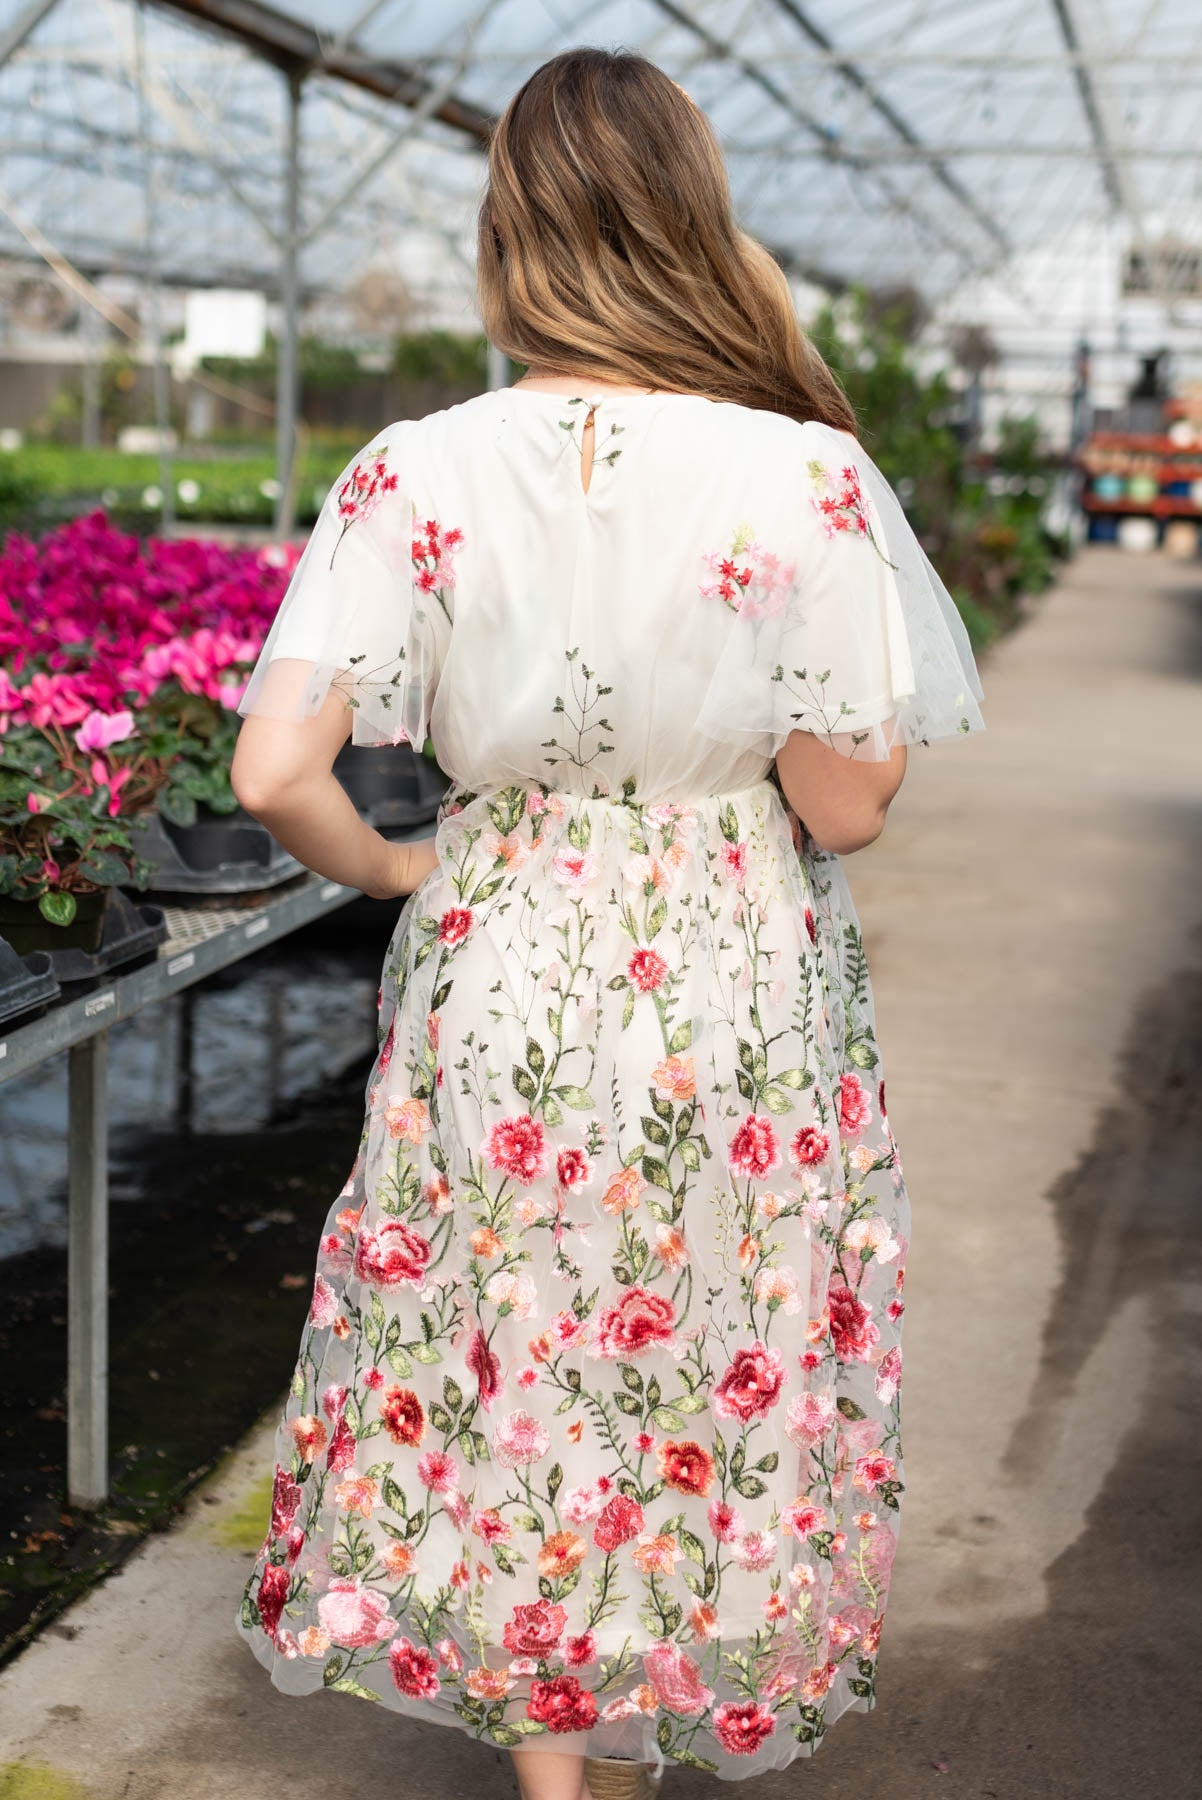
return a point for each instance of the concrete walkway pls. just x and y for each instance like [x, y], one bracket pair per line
[1033, 916]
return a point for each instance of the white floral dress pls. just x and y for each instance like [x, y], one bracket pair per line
[593, 1439]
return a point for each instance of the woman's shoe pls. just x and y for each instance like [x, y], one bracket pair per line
[608, 1779]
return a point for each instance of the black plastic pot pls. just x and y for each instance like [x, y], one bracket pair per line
[27, 983]
[223, 853]
[26, 927]
[393, 786]
[132, 932]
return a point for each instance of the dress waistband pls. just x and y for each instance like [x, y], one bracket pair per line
[464, 794]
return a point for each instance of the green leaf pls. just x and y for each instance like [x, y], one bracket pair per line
[426, 1353]
[655, 1171]
[750, 1487]
[667, 1419]
[534, 1055]
[576, 1097]
[347, 1686]
[631, 1377]
[393, 1496]
[795, 1078]
[628, 1008]
[440, 1418]
[862, 1054]
[663, 1733]
[452, 1393]
[57, 906]
[104, 868]
[655, 1131]
[690, 1155]
[657, 917]
[767, 1465]
[777, 1101]
[177, 805]
[551, 1111]
[554, 1480]
[681, 1038]
[398, 1362]
[692, 1546]
[628, 1404]
[525, 1083]
[849, 1409]
[505, 1735]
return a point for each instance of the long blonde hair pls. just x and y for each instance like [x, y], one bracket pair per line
[608, 247]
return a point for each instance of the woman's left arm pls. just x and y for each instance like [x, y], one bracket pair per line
[282, 773]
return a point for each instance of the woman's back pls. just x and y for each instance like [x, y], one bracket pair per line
[727, 576]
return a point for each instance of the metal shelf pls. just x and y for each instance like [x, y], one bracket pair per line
[199, 941]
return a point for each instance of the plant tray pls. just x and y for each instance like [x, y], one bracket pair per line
[393, 788]
[220, 855]
[28, 984]
[132, 933]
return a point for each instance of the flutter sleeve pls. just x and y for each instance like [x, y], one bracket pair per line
[843, 628]
[368, 609]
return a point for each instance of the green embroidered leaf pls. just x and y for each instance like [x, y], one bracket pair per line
[657, 917]
[654, 1130]
[628, 1008]
[631, 1377]
[655, 1171]
[426, 1353]
[577, 1097]
[525, 1083]
[849, 1409]
[692, 1546]
[667, 1419]
[534, 1055]
[777, 1101]
[554, 1480]
[552, 1113]
[681, 1038]
[452, 1393]
[397, 1361]
[628, 1404]
[347, 1686]
[795, 1078]
[862, 1054]
[690, 1156]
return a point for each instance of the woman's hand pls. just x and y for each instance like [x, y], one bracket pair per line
[282, 775]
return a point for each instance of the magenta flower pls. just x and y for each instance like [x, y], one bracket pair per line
[99, 730]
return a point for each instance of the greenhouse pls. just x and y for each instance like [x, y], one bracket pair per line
[278, 426]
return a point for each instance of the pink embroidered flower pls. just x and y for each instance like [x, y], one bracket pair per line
[574, 869]
[675, 1078]
[636, 1323]
[872, 1470]
[751, 1386]
[808, 1147]
[754, 1150]
[403, 1416]
[742, 1726]
[562, 1704]
[579, 1652]
[809, 1419]
[535, 1629]
[755, 1551]
[519, 1440]
[646, 970]
[485, 1365]
[734, 861]
[285, 1500]
[272, 1594]
[852, 1329]
[853, 1105]
[621, 1521]
[519, 1147]
[414, 1669]
[725, 1521]
[438, 1471]
[572, 1168]
[454, 925]
[888, 1375]
[324, 1304]
[355, 1616]
[391, 1256]
[676, 1679]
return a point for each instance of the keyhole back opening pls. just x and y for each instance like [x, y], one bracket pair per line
[588, 439]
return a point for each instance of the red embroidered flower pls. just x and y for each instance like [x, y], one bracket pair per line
[620, 1521]
[742, 1726]
[809, 1146]
[485, 1365]
[273, 1591]
[646, 970]
[391, 1256]
[852, 1329]
[454, 925]
[572, 1168]
[811, 926]
[285, 1499]
[578, 1652]
[414, 1670]
[751, 1385]
[404, 1419]
[854, 1108]
[343, 1444]
[687, 1467]
[754, 1149]
[635, 1323]
[562, 1704]
[519, 1147]
[536, 1629]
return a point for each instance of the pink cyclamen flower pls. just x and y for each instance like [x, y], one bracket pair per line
[99, 730]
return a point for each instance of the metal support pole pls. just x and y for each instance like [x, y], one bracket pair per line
[87, 1272]
[92, 333]
[499, 371]
[154, 292]
[287, 384]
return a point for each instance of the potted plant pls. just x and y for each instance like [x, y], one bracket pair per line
[67, 798]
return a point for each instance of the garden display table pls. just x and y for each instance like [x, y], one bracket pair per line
[200, 940]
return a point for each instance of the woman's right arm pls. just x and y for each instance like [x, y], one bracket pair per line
[841, 802]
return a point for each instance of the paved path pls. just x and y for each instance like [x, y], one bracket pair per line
[1033, 916]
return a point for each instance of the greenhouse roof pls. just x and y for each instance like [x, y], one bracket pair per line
[938, 143]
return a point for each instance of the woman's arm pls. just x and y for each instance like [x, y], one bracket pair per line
[841, 802]
[282, 773]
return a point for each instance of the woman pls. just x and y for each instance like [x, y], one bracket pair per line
[593, 1441]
